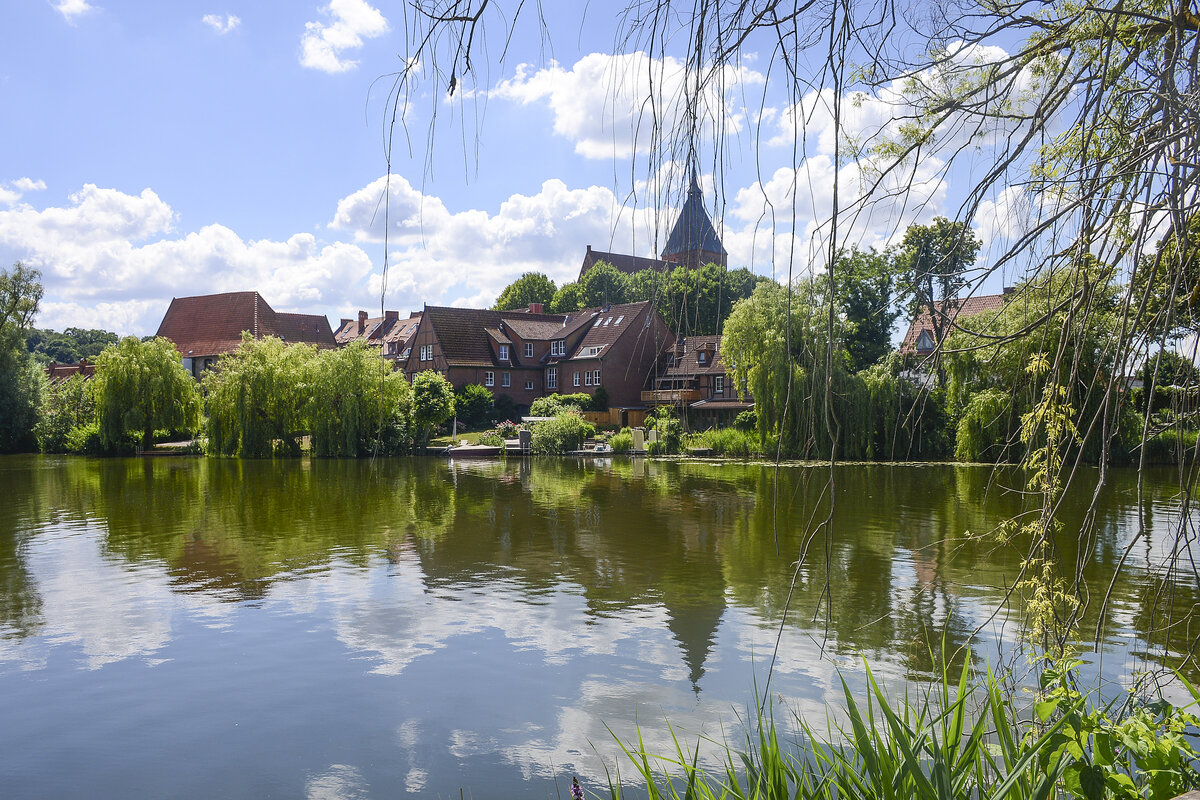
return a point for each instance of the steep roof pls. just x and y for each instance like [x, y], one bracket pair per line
[693, 230]
[610, 322]
[459, 331]
[212, 324]
[623, 263]
[961, 307]
[684, 358]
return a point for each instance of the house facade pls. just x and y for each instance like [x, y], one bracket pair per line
[205, 327]
[527, 354]
[695, 379]
[921, 338]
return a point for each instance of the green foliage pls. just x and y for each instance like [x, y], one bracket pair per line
[933, 262]
[21, 380]
[746, 420]
[670, 431]
[599, 400]
[491, 439]
[432, 404]
[1169, 283]
[693, 302]
[531, 287]
[864, 282]
[554, 404]
[69, 347]
[359, 406]
[504, 408]
[140, 387]
[65, 407]
[568, 298]
[563, 433]
[1038, 320]
[984, 427]
[733, 442]
[473, 405]
[601, 285]
[621, 442]
[85, 440]
[257, 396]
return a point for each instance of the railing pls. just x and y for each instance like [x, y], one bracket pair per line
[664, 396]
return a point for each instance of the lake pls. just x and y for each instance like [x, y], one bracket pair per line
[203, 628]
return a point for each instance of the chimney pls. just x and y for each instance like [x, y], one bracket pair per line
[345, 323]
[536, 308]
[362, 322]
[1009, 290]
[391, 316]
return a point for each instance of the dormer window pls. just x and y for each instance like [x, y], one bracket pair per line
[924, 342]
[504, 352]
[558, 347]
[701, 357]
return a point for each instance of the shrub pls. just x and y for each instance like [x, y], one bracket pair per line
[548, 406]
[670, 430]
[599, 400]
[491, 439]
[729, 442]
[508, 429]
[85, 440]
[563, 433]
[504, 409]
[746, 420]
[621, 442]
[473, 404]
[65, 406]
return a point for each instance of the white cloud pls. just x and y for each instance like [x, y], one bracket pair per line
[70, 9]
[351, 21]
[13, 191]
[222, 24]
[468, 256]
[111, 259]
[609, 104]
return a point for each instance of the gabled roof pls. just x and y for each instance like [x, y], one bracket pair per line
[684, 358]
[960, 307]
[610, 322]
[212, 324]
[459, 331]
[693, 230]
[623, 263]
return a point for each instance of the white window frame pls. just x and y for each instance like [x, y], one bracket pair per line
[529, 386]
[596, 378]
[719, 384]
[529, 349]
[575, 379]
[558, 347]
[505, 380]
[489, 378]
[587, 379]
[504, 352]
[551, 377]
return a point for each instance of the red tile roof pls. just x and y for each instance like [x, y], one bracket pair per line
[684, 358]
[623, 263]
[212, 324]
[962, 307]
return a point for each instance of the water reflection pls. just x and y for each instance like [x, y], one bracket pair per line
[491, 617]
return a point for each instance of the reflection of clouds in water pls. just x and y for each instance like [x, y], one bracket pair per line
[397, 620]
[415, 780]
[339, 782]
[112, 610]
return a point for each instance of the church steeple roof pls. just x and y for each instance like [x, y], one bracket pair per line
[693, 231]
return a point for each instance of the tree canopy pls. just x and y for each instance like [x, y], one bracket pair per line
[531, 287]
[140, 387]
[21, 379]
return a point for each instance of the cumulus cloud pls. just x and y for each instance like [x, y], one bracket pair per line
[350, 22]
[13, 191]
[469, 256]
[609, 104]
[222, 23]
[72, 9]
[114, 260]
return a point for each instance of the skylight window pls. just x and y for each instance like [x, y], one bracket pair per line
[618, 322]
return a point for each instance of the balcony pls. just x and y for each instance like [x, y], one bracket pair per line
[664, 397]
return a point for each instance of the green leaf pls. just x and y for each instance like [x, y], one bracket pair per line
[1045, 709]
[1103, 749]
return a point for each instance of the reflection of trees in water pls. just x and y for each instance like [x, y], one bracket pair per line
[902, 570]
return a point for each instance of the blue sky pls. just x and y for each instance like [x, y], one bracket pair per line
[153, 150]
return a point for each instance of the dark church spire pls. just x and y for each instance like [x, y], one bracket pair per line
[694, 241]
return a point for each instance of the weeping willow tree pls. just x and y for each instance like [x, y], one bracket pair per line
[1067, 131]
[357, 405]
[141, 387]
[256, 399]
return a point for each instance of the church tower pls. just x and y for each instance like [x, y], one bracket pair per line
[694, 241]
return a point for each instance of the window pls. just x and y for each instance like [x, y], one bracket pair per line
[504, 352]
[558, 347]
[505, 379]
[700, 356]
[618, 322]
[489, 379]
[426, 352]
[552, 378]
[529, 349]
[587, 379]
[529, 386]
[575, 379]
[719, 384]
[596, 378]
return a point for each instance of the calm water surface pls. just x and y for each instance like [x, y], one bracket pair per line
[199, 628]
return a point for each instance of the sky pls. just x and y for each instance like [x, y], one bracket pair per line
[159, 150]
